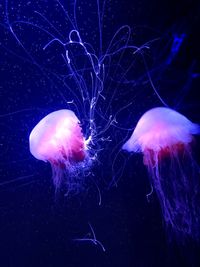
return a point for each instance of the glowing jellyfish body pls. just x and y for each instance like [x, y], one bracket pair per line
[58, 139]
[164, 136]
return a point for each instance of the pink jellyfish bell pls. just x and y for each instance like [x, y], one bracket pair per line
[58, 139]
[164, 136]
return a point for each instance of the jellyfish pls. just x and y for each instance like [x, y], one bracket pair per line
[58, 139]
[165, 137]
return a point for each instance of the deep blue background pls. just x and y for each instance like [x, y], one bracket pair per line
[37, 228]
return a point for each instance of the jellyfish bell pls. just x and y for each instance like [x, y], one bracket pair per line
[165, 136]
[160, 128]
[58, 139]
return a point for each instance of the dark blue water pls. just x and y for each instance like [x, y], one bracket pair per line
[151, 62]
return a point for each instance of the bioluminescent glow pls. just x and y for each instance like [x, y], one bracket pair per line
[165, 138]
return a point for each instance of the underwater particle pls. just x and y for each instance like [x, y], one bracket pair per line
[165, 138]
[58, 139]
